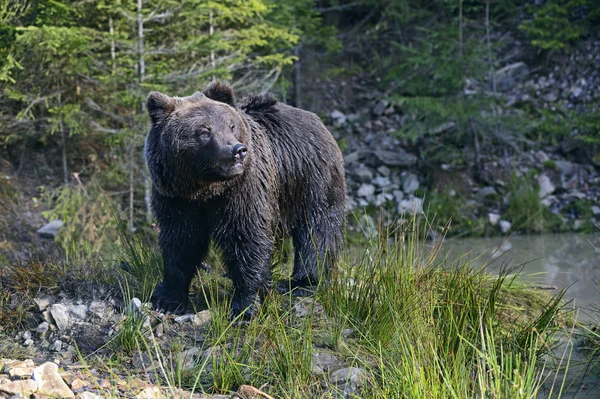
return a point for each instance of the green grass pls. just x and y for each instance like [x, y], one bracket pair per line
[421, 326]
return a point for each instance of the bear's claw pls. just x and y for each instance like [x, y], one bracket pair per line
[165, 300]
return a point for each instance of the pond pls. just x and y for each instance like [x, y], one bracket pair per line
[552, 260]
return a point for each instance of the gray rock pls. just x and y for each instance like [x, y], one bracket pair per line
[339, 118]
[595, 210]
[380, 107]
[382, 181]
[28, 342]
[88, 395]
[322, 362]
[43, 302]
[384, 170]
[43, 328]
[578, 224]
[141, 361]
[494, 218]
[363, 174]
[365, 190]
[56, 346]
[399, 157]
[78, 311]
[398, 196]
[510, 76]
[486, 192]
[505, 226]
[187, 359]
[565, 167]
[351, 158]
[50, 230]
[347, 375]
[546, 186]
[410, 183]
[184, 318]
[411, 206]
[201, 318]
[60, 316]
[26, 335]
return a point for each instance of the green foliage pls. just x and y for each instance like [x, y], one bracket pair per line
[558, 24]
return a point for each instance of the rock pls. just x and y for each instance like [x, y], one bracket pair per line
[486, 192]
[339, 118]
[88, 395]
[595, 210]
[135, 305]
[578, 224]
[363, 174]
[398, 196]
[348, 375]
[184, 318]
[505, 226]
[382, 181]
[351, 158]
[56, 346]
[546, 186]
[322, 362]
[50, 230]
[550, 97]
[78, 383]
[26, 335]
[201, 318]
[28, 342]
[99, 308]
[60, 317]
[510, 76]
[141, 361]
[410, 183]
[413, 206]
[19, 369]
[42, 328]
[187, 359]
[152, 392]
[78, 311]
[43, 302]
[365, 190]
[49, 381]
[307, 306]
[493, 218]
[380, 107]
[22, 387]
[395, 158]
[249, 392]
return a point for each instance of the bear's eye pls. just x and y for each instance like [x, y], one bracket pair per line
[204, 133]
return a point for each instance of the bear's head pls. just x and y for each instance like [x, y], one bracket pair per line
[195, 141]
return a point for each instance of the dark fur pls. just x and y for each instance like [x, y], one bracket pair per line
[292, 184]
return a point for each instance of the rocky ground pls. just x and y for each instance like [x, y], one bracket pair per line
[383, 169]
[59, 357]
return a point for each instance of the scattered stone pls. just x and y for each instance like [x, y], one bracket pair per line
[494, 218]
[88, 395]
[382, 181]
[486, 192]
[50, 230]
[395, 158]
[20, 387]
[412, 206]
[380, 107]
[187, 359]
[509, 76]
[152, 392]
[249, 392]
[546, 186]
[78, 383]
[49, 381]
[184, 318]
[42, 328]
[338, 117]
[365, 190]
[201, 318]
[363, 174]
[322, 362]
[98, 308]
[56, 346]
[26, 335]
[307, 306]
[578, 224]
[19, 369]
[28, 342]
[505, 226]
[410, 183]
[595, 210]
[135, 305]
[59, 315]
[348, 375]
[43, 302]
[142, 361]
[78, 311]
[384, 171]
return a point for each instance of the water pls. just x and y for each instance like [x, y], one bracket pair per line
[560, 260]
[553, 260]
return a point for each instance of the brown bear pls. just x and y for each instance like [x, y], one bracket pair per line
[242, 176]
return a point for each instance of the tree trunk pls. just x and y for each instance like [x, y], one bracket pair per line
[113, 50]
[211, 32]
[297, 77]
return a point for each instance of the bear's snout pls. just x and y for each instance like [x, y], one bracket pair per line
[239, 152]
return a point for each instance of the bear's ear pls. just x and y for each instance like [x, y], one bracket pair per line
[159, 106]
[220, 92]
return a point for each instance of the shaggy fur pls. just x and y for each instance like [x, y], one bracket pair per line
[290, 182]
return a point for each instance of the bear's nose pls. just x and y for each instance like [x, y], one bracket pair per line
[239, 151]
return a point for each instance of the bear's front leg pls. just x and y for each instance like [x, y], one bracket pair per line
[181, 259]
[248, 259]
